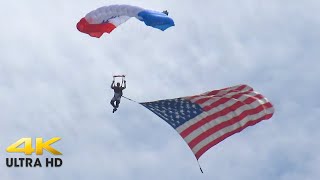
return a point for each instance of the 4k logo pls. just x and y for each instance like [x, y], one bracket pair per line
[24, 145]
[40, 145]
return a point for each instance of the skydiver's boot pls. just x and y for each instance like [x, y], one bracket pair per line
[115, 107]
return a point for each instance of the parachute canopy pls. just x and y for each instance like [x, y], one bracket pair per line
[205, 120]
[106, 19]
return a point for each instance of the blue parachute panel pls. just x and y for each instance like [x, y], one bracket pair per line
[156, 19]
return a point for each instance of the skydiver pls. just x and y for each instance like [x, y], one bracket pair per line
[165, 12]
[115, 101]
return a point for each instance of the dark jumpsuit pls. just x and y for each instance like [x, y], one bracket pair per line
[117, 96]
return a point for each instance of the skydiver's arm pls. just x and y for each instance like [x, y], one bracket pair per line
[112, 84]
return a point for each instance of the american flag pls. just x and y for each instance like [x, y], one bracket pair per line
[205, 120]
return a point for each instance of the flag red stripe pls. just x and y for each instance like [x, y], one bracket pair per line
[221, 138]
[217, 91]
[205, 99]
[223, 112]
[230, 122]
[212, 93]
[226, 99]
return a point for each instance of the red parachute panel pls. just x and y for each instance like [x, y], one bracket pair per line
[94, 30]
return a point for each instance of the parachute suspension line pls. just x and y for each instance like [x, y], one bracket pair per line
[199, 166]
[122, 81]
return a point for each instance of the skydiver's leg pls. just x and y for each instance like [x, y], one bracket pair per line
[117, 103]
[112, 103]
[114, 106]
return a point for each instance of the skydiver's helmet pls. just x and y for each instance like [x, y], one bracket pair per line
[165, 12]
[118, 84]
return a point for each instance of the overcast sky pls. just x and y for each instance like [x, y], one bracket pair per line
[54, 81]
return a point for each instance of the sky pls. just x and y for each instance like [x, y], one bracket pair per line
[54, 81]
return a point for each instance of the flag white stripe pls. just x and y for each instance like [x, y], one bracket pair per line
[230, 128]
[208, 113]
[240, 98]
[221, 119]
[222, 92]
